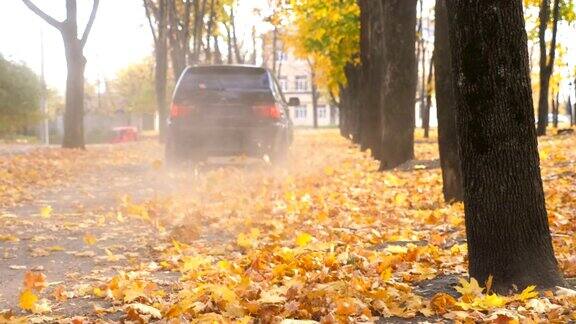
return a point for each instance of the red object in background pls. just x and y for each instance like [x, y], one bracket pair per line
[124, 135]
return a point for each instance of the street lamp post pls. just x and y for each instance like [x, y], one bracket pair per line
[45, 127]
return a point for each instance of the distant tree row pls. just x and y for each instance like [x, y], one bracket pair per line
[188, 32]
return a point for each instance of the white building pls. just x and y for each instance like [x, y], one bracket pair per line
[295, 79]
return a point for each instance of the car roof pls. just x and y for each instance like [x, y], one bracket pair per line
[228, 68]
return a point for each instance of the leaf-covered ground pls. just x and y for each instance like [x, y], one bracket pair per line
[111, 235]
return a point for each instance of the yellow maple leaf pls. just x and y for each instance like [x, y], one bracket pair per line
[303, 239]
[527, 294]
[27, 300]
[90, 239]
[491, 301]
[470, 289]
[46, 211]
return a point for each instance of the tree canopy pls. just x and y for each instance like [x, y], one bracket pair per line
[20, 91]
[328, 34]
[133, 88]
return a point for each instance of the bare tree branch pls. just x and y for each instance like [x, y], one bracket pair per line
[55, 23]
[149, 12]
[90, 23]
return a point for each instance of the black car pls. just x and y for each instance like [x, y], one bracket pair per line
[225, 110]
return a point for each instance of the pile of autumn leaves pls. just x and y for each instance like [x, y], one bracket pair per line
[22, 175]
[327, 239]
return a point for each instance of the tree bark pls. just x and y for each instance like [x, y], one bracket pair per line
[74, 113]
[315, 95]
[372, 57]
[76, 64]
[350, 104]
[237, 54]
[178, 38]
[159, 32]
[209, 29]
[555, 110]
[426, 115]
[230, 44]
[570, 111]
[506, 222]
[546, 61]
[217, 53]
[446, 109]
[399, 86]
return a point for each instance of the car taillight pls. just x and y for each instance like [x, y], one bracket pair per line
[177, 111]
[268, 111]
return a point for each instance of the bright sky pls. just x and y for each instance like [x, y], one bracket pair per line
[120, 36]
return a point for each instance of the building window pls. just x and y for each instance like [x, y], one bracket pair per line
[322, 112]
[300, 112]
[283, 83]
[301, 83]
[281, 56]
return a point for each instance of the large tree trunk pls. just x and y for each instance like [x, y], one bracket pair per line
[446, 109]
[349, 104]
[178, 50]
[76, 64]
[546, 60]
[161, 70]
[506, 222]
[74, 113]
[372, 57]
[398, 115]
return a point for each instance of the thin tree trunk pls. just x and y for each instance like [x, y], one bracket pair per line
[397, 115]
[230, 44]
[274, 49]
[217, 53]
[314, 95]
[546, 60]
[420, 47]
[426, 116]
[422, 94]
[209, 33]
[555, 110]
[237, 54]
[446, 109]
[506, 223]
[253, 58]
[570, 111]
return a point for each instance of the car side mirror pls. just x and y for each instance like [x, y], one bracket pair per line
[293, 102]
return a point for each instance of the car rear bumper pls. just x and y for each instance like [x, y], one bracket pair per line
[222, 141]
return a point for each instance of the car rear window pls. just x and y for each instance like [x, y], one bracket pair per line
[225, 79]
